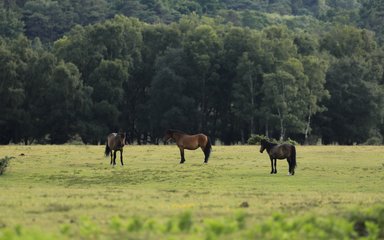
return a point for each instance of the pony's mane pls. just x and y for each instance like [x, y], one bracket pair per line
[268, 143]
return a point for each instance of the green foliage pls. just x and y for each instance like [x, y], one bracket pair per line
[291, 141]
[353, 47]
[367, 224]
[185, 222]
[19, 233]
[10, 23]
[374, 141]
[4, 162]
[256, 139]
[88, 229]
[308, 227]
[135, 225]
[371, 17]
[226, 68]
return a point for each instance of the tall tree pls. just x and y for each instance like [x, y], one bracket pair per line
[11, 92]
[354, 81]
[202, 46]
[372, 17]
[246, 91]
[315, 69]
[171, 104]
[10, 23]
[65, 93]
[284, 93]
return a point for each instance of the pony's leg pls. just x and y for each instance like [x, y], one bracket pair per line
[114, 158]
[205, 155]
[272, 171]
[121, 157]
[182, 160]
[111, 157]
[274, 163]
[289, 166]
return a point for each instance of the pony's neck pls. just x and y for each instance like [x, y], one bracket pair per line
[270, 146]
[176, 135]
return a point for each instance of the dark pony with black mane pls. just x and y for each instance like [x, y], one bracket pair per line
[280, 151]
[115, 142]
[190, 142]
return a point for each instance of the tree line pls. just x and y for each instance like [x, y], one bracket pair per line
[228, 73]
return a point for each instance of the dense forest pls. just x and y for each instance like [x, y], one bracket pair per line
[312, 71]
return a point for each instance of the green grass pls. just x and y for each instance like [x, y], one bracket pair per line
[66, 191]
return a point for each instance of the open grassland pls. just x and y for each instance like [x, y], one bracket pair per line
[71, 191]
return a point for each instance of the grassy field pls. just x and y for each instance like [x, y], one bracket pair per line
[71, 191]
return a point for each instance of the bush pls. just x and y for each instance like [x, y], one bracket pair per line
[4, 164]
[369, 222]
[291, 141]
[185, 222]
[355, 224]
[374, 141]
[256, 139]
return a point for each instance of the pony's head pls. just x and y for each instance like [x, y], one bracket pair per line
[167, 135]
[120, 139]
[263, 145]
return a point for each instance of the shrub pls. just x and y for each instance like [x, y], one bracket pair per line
[185, 222]
[374, 141]
[291, 141]
[135, 225]
[368, 223]
[4, 164]
[256, 139]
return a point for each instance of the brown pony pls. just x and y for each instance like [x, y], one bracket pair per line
[189, 142]
[115, 142]
[280, 151]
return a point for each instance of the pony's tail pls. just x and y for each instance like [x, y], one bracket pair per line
[294, 164]
[107, 149]
[207, 149]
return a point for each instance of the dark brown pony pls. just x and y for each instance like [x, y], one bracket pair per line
[280, 151]
[189, 142]
[115, 142]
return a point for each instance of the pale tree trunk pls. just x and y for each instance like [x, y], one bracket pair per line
[307, 127]
[251, 84]
[282, 129]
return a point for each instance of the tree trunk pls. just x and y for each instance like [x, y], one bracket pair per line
[307, 127]
[251, 84]
[203, 108]
[282, 130]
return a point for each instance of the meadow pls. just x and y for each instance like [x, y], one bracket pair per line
[71, 191]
